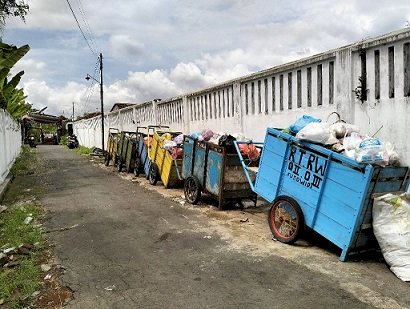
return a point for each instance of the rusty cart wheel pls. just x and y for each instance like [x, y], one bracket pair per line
[107, 159]
[153, 174]
[119, 165]
[192, 190]
[285, 219]
[137, 168]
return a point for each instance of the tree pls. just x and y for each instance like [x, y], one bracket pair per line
[11, 98]
[17, 8]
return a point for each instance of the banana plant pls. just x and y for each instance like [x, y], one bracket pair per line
[11, 98]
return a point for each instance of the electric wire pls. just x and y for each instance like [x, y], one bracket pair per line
[90, 90]
[81, 30]
[87, 25]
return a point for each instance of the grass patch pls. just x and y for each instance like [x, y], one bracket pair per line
[82, 150]
[18, 283]
[25, 162]
[63, 139]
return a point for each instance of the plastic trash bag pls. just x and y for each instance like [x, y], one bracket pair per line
[391, 226]
[207, 134]
[179, 139]
[342, 129]
[392, 154]
[250, 151]
[317, 132]
[226, 140]
[169, 145]
[166, 136]
[351, 142]
[195, 135]
[240, 137]
[303, 122]
[371, 151]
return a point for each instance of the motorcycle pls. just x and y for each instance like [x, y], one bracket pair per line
[72, 142]
[32, 142]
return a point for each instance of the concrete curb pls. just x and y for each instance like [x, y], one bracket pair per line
[4, 186]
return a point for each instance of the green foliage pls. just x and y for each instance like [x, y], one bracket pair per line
[24, 161]
[11, 98]
[17, 8]
[82, 150]
[17, 283]
[63, 139]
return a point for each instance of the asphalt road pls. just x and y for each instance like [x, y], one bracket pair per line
[133, 248]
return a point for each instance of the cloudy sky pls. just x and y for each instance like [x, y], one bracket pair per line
[158, 49]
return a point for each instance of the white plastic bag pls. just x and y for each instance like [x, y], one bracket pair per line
[351, 142]
[340, 129]
[317, 132]
[169, 145]
[391, 226]
[394, 158]
[370, 150]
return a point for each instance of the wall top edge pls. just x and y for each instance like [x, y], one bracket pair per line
[390, 37]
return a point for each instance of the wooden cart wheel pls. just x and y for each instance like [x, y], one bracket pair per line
[153, 174]
[107, 159]
[192, 190]
[285, 219]
[137, 168]
[119, 165]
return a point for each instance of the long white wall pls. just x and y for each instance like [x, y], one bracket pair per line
[10, 143]
[276, 97]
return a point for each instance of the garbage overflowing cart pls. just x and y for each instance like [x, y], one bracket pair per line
[164, 165]
[126, 151]
[112, 146]
[330, 193]
[215, 170]
[144, 136]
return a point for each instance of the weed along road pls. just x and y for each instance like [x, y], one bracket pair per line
[131, 247]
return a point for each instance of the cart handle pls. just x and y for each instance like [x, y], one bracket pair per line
[242, 160]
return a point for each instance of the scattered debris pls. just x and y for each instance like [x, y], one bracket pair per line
[110, 288]
[45, 267]
[1, 301]
[62, 229]
[207, 237]
[8, 250]
[185, 217]
[48, 277]
[2, 208]
[244, 220]
[28, 220]
[35, 294]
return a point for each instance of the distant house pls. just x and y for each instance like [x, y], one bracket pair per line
[118, 106]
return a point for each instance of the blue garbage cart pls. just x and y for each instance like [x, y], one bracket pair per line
[310, 185]
[142, 161]
[215, 170]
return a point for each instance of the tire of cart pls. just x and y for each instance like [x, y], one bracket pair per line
[192, 190]
[285, 219]
[153, 175]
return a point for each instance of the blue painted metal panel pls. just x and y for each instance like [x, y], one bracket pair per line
[199, 164]
[142, 153]
[213, 172]
[188, 158]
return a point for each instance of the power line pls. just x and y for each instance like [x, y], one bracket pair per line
[87, 25]
[81, 30]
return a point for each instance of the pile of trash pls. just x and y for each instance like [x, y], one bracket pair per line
[174, 145]
[345, 138]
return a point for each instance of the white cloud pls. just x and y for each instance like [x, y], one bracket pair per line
[172, 47]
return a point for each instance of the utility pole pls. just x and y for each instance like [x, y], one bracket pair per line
[101, 82]
[102, 101]
[72, 118]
